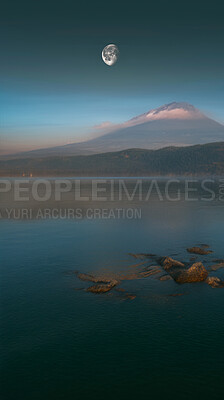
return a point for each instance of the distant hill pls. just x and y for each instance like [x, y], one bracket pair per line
[205, 159]
[174, 124]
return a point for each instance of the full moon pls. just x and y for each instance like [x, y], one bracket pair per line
[110, 54]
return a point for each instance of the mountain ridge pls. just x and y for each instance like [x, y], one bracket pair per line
[178, 124]
[207, 159]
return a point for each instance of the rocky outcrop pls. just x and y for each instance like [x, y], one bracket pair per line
[199, 250]
[196, 273]
[171, 266]
[98, 289]
[178, 271]
[105, 283]
[181, 272]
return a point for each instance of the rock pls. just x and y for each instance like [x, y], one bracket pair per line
[180, 272]
[169, 263]
[139, 274]
[196, 273]
[145, 274]
[177, 270]
[98, 289]
[130, 296]
[214, 282]
[215, 267]
[125, 295]
[199, 250]
[92, 278]
[120, 290]
[104, 284]
[141, 255]
[165, 278]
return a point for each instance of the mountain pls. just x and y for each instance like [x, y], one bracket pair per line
[174, 124]
[205, 159]
[173, 110]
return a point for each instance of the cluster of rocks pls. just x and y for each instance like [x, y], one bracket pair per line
[185, 273]
[105, 283]
[179, 271]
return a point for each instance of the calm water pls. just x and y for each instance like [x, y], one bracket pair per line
[62, 343]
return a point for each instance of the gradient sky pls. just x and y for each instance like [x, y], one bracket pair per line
[54, 87]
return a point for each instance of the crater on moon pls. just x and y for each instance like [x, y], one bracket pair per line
[110, 54]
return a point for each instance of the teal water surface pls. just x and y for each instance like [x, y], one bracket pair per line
[61, 343]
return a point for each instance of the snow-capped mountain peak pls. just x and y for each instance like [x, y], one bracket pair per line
[173, 110]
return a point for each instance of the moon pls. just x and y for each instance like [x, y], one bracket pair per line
[110, 54]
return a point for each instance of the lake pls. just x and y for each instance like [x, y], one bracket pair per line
[59, 341]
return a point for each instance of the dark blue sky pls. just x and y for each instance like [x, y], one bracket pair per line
[54, 87]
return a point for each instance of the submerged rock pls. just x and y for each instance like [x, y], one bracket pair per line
[215, 267]
[171, 266]
[125, 295]
[92, 278]
[112, 279]
[104, 284]
[141, 256]
[199, 250]
[168, 263]
[130, 296]
[98, 289]
[219, 260]
[165, 278]
[120, 290]
[146, 273]
[215, 282]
